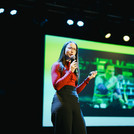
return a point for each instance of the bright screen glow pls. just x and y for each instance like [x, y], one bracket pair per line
[104, 101]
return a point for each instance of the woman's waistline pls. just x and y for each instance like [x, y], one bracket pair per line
[68, 90]
[69, 87]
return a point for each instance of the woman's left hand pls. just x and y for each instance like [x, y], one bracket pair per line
[92, 74]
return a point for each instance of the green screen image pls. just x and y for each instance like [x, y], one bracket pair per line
[104, 102]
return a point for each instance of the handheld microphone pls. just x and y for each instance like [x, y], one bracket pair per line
[72, 58]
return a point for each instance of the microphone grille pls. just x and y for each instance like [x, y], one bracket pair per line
[73, 57]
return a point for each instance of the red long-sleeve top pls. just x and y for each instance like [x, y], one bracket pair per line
[66, 78]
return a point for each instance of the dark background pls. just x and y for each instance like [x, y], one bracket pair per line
[21, 51]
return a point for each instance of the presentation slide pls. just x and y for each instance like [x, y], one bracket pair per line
[108, 99]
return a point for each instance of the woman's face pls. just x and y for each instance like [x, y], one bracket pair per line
[70, 49]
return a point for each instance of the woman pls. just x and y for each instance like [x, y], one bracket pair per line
[66, 115]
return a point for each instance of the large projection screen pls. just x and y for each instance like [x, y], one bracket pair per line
[100, 107]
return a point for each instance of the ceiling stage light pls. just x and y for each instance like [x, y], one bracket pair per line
[126, 38]
[108, 35]
[80, 23]
[2, 10]
[70, 22]
[13, 12]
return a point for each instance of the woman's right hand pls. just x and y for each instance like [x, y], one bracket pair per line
[92, 75]
[73, 66]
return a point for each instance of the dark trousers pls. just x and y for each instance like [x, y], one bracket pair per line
[67, 117]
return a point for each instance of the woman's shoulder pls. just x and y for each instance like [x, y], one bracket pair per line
[56, 65]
